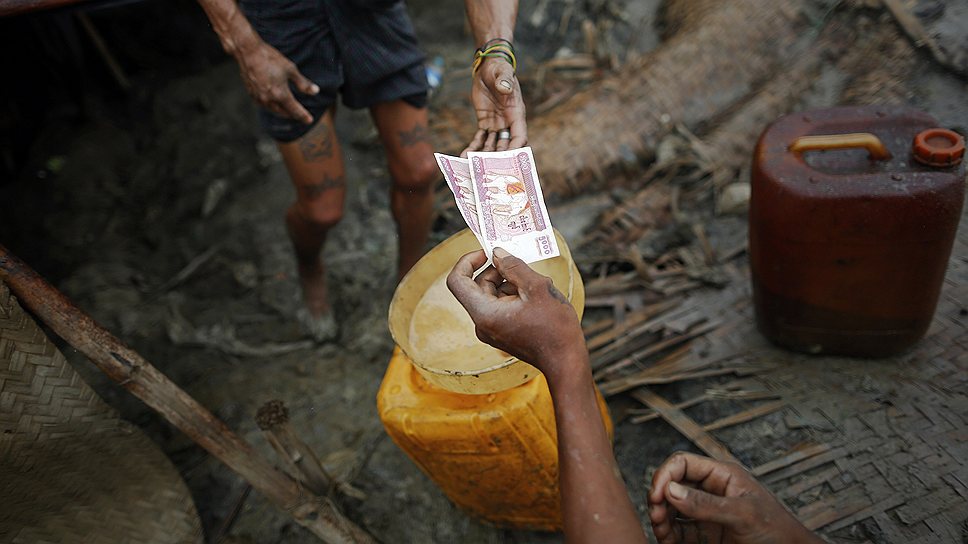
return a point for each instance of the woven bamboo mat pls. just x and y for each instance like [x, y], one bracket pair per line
[72, 470]
[881, 447]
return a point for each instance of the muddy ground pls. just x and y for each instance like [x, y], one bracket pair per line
[119, 192]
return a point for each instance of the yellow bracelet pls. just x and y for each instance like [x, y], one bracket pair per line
[501, 48]
[505, 51]
[499, 54]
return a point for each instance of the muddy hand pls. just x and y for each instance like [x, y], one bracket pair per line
[267, 73]
[496, 96]
[517, 310]
[698, 499]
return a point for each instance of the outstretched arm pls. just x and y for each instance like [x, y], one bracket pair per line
[265, 71]
[495, 91]
[517, 310]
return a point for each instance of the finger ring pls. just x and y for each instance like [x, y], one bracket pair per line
[504, 134]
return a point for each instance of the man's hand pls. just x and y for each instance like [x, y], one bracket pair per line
[266, 73]
[698, 499]
[517, 310]
[496, 97]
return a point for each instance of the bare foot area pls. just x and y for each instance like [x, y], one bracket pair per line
[317, 317]
[322, 328]
[312, 279]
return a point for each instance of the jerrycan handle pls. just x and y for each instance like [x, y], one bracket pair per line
[872, 143]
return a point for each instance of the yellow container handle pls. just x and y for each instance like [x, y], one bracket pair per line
[872, 143]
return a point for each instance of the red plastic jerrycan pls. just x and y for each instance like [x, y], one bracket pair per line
[853, 215]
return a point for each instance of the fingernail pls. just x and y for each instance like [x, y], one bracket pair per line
[315, 89]
[678, 491]
[500, 253]
[505, 83]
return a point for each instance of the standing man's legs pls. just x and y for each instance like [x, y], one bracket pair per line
[315, 164]
[410, 158]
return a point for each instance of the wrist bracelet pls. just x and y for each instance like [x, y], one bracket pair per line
[501, 50]
[490, 42]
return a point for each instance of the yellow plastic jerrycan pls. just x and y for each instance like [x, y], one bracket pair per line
[477, 421]
[495, 455]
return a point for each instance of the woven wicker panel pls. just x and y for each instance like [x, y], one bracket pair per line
[71, 469]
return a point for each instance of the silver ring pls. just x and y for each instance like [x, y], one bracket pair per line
[504, 134]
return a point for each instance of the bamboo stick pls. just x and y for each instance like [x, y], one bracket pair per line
[273, 419]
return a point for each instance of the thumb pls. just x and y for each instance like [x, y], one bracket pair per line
[515, 270]
[461, 283]
[503, 78]
[702, 506]
[302, 83]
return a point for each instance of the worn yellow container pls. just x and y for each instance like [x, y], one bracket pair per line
[477, 421]
[494, 455]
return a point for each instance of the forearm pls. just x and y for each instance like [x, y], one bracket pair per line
[594, 500]
[233, 29]
[490, 19]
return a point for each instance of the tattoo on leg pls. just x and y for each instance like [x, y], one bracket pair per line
[555, 293]
[418, 134]
[317, 144]
[328, 182]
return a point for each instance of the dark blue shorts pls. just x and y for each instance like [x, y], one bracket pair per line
[364, 50]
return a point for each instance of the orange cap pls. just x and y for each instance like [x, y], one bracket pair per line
[939, 147]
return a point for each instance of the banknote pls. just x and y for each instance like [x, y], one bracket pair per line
[510, 207]
[457, 174]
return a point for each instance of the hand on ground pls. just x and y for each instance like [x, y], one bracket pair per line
[697, 499]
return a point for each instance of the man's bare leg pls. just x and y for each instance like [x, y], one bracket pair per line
[410, 158]
[315, 164]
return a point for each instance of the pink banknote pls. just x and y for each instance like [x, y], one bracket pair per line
[510, 207]
[457, 174]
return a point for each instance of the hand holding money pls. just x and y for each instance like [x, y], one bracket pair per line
[519, 311]
[499, 196]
